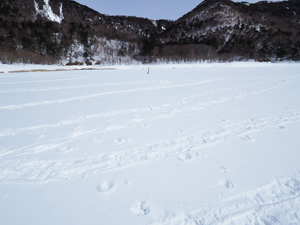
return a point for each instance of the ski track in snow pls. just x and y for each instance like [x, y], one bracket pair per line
[272, 203]
[26, 90]
[49, 171]
[42, 81]
[157, 112]
[27, 162]
[78, 98]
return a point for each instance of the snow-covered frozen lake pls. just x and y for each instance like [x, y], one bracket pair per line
[186, 145]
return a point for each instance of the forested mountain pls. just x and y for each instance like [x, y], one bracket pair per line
[227, 30]
[64, 31]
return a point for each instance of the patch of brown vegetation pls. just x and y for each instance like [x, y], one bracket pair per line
[57, 70]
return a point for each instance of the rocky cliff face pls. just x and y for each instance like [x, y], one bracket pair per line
[52, 31]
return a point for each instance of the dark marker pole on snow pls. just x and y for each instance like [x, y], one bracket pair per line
[148, 71]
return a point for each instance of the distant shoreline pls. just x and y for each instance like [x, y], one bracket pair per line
[54, 70]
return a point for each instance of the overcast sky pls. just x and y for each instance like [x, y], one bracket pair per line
[152, 9]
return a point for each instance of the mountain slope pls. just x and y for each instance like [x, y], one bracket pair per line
[62, 30]
[51, 31]
[260, 31]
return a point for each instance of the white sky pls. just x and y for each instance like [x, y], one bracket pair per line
[152, 9]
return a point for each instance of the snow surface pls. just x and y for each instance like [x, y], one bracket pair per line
[48, 13]
[186, 144]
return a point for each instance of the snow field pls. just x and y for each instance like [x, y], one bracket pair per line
[186, 144]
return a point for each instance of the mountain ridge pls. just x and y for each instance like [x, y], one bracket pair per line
[63, 31]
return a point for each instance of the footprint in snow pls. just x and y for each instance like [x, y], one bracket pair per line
[4, 196]
[225, 170]
[42, 136]
[121, 141]
[164, 82]
[180, 131]
[248, 138]
[96, 140]
[107, 187]
[226, 183]
[184, 157]
[224, 120]
[282, 127]
[66, 150]
[144, 125]
[141, 209]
